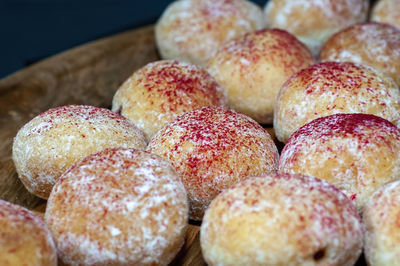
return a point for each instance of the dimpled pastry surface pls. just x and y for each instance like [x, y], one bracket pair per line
[213, 148]
[252, 69]
[334, 87]
[118, 207]
[193, 30]
[281, 219]
[53, 141]
[24, 238]
[381, 219]
[314, 21]
[374, 44]
[160, 91]
[357, 153]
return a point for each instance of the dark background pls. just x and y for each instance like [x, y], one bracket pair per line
[31, 30]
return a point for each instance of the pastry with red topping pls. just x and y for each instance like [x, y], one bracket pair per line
[252, 68]
[382, 229]
[193, 30]
[53, 141]
[281, 219]
[118, 207]
[212, 148]
[314, 21]
[374, 44]
[334, 87]
[160, 91]
[357, 153]
[24, 238]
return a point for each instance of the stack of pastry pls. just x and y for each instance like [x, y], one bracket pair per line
[184, 140]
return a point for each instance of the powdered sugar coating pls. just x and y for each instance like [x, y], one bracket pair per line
[281, 219]
[160, 91]
[53, 141]
[213, 148]
[334, 87]
[381, 219]
[357, 153]
[252, 68]
[24, 238]
[314, 21]
[193, 30]
[386, 11]
[374, 44]
[118, 207]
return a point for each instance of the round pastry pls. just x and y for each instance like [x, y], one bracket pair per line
[281, 219]
[193, 30]
[357, 153]
[24, 238]
[212, 149]
[157, 93]
[372, 43]
[314, 21]
[382, 229]
[118, 207]
[386, 11]
[53, 141]
[334, 87]
[252, 68]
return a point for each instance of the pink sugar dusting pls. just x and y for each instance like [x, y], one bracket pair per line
[294, 205]
[278, 46]
[346, 125]
[208, 147]
[170, 80]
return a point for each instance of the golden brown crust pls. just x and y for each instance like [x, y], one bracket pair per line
[160, 91]
[53, 141]
[357, 153]
[334, 87]
[252, 69]
[374, 44]
[212, 149]
[118, 207]
[281, 219]
[24, 238]
[193, 30]
[314, 21]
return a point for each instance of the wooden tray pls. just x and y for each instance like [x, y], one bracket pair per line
[89, 74]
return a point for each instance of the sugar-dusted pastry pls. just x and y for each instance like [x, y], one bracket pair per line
[374, 44]
[314, 21]
[118, 207]
[386, 11]
[357, 153]
[252, 69]
[193, 30]
[212, 149]
[382, 229]
[160, 91]
[334, 87]
[24, 238]
[281, 219]
[53, 141]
